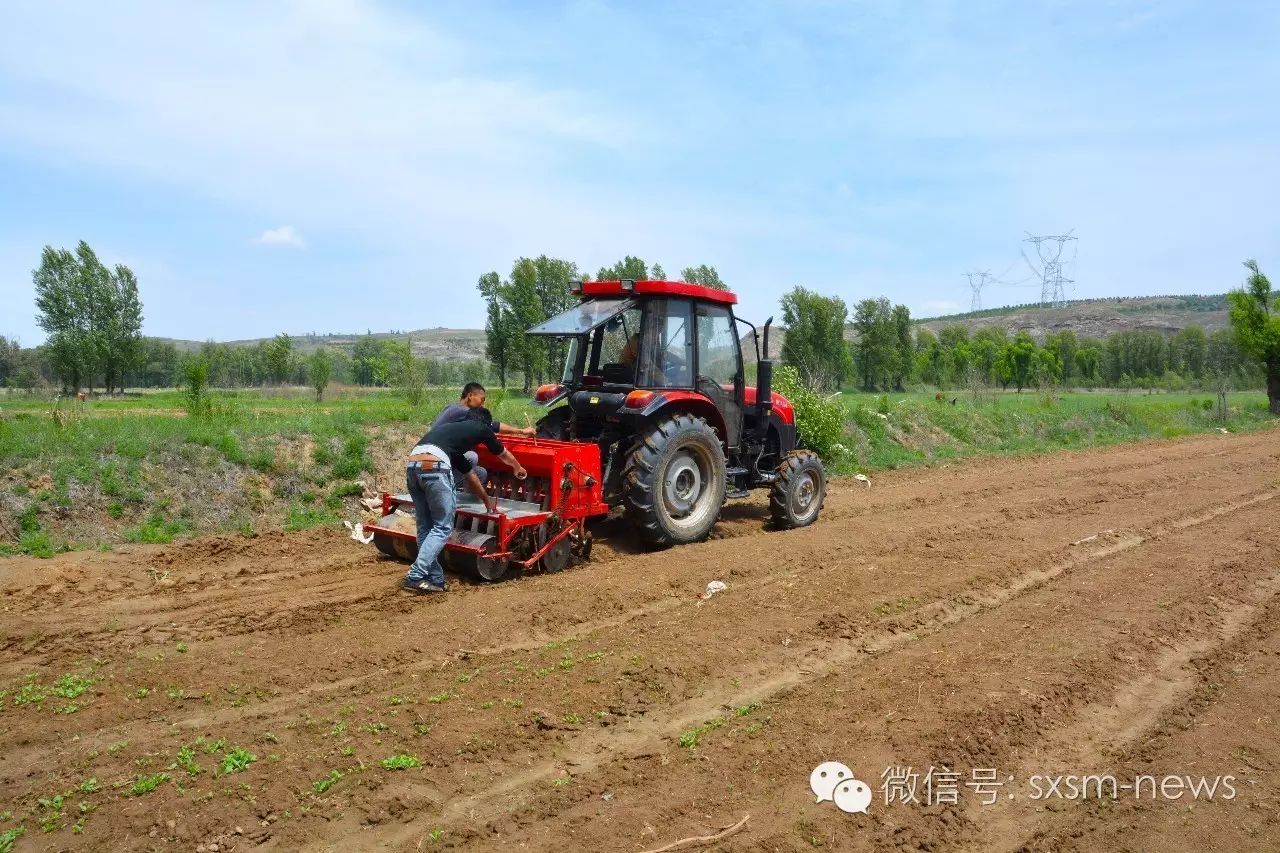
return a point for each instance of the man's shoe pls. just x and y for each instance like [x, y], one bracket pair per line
[422, 587]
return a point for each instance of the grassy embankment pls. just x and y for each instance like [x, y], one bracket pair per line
[139, 469]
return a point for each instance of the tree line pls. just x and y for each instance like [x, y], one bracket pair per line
[93, 317]
[878, 350]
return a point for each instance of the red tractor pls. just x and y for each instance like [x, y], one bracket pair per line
[653, 413]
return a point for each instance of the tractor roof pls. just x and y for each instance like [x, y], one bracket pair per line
[645, 287]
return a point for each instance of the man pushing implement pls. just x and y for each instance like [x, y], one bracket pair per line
[434, 463]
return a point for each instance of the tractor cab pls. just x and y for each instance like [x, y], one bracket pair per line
[657, 358]
[669, 338]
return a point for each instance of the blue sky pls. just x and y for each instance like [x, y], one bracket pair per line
[342, 166]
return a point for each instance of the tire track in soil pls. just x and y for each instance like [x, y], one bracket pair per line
[1226, 725]
[1023, 719]
[588, 752]
[323, 612]
[1104, 730]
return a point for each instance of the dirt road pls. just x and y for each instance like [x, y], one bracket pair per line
[1111, 613]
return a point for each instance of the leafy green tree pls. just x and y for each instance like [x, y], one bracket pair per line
[319, 371]
[196, 374]
[278, 356]
[1222, 354]
[930, 358]
[64, 300]
[814, 344]
[407, 373]
[628, 267]
[1063, 345]
[502, 332]
[876, 349]
[93, 316]
[702, 274]
[985, 347]
[658, 273]
[1048, 369]
[1188, 350]
[1088, 361]
[1255, 319]
[526, 308]
[554, 296]
[905, 360]
[10, 357]
[121, 320]
[368, 362]
[1018, 362]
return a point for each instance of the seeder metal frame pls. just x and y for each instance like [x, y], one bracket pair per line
[540, 521]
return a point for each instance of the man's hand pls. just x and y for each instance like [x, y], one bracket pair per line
[529, 432]
[516, 467]
[477, 489]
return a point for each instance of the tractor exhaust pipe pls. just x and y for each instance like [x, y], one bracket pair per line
[764, 383]
[764, 391]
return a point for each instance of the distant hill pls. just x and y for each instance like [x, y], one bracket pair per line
[1097, 318]
[440, 344]
[1091, 318]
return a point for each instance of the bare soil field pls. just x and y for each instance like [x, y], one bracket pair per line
[1104, 612]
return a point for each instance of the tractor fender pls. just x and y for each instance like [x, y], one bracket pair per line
[785, 432]
[673, 401]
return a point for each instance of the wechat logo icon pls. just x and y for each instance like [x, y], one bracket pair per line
[833, 781]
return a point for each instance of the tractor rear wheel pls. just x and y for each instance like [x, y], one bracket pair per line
[798, 490]
[674, 481]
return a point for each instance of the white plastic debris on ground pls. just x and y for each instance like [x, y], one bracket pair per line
[863, 478]
[358, 534]
[713, 588]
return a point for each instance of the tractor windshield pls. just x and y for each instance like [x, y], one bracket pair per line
[582, 318]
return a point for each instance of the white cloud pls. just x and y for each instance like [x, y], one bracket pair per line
[285, 235]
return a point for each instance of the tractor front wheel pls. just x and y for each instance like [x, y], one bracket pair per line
[674, 481]
[798, 490]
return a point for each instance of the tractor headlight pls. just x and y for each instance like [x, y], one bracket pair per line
[628, 284]
[546, 393]
[638, 399]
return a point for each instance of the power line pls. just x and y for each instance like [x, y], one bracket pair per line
[1053, 281]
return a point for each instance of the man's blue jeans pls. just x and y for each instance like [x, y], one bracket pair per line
[433, 504]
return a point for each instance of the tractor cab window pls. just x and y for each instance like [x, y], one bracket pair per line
[667, 350]
[570, 362]
[615, 349]
[718, 356]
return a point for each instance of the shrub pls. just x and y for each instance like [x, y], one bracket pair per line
[820, 420]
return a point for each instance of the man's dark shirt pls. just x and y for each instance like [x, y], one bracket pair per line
[455, 412]
[458, 437]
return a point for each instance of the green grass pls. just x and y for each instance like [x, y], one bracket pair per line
[886, 431]
[122, 457]
[120, 451]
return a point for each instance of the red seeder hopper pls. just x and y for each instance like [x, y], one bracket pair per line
[540, 521]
